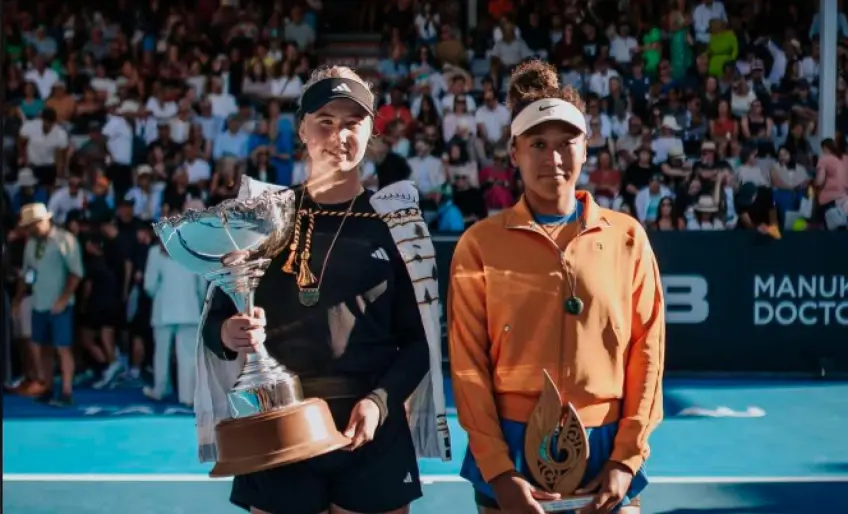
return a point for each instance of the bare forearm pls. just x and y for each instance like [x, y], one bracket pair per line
[71, 284]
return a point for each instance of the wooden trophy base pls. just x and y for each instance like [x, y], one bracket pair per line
[276, 438]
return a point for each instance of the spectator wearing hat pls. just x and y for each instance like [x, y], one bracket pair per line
[706, 215]
[144, 195]
[710, 168]
[676, 171]
[43, 146]
[667, 139]
[27, 190]
[52, 268]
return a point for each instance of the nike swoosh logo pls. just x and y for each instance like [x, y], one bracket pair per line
[543, 108]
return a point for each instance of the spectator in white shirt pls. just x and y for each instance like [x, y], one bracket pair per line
[493, 120]
[120, 135]
[42, 76]
[623, 46]
[458, 115]
[223, 104]
[43, 147]
[158, 109]
[181, 123]
[599, 81]
[808, 69]
[668, 139]
[427, 24]
[459, 85]
[196, 168]
[145, 196]
[177, 302]
[105, 86]
[511, 50]
[428, 173]
[66, 199]
[285, 83]
[703, 14]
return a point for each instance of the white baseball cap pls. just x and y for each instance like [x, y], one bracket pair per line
[545, 110]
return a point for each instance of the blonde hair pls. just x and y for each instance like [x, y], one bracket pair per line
[341, 72]
[337, 72]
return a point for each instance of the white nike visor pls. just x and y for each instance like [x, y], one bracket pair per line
[548, 109]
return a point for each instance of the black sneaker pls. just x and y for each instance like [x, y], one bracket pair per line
[64, 400]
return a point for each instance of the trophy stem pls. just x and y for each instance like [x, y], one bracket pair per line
[261, 354]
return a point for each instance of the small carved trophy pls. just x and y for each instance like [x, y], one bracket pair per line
[557, 449]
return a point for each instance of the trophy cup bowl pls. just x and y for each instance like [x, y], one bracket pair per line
[271, 423]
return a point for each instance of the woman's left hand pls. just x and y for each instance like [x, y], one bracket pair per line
[364, 420]
[609, 487]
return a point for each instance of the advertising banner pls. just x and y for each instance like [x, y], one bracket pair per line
[742, 302]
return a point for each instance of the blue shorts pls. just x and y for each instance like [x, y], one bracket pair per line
[601, 441]
[50, 329]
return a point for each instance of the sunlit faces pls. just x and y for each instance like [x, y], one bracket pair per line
[550, 156]
[337, 134]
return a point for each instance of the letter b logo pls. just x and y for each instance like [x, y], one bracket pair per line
[685, 299]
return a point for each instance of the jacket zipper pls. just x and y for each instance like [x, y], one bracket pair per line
[563, 267]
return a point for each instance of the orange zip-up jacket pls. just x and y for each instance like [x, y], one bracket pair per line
[507, 323]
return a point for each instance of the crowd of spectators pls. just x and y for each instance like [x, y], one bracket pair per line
[703, 116]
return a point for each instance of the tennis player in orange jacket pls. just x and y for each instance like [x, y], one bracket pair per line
[555, 283]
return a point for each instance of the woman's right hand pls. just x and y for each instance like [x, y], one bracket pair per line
[244, 334]
[516, 495]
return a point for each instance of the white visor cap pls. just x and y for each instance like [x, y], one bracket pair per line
[548, 109]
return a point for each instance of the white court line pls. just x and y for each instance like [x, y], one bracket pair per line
[425, 479]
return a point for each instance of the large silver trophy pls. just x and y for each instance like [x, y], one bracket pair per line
[229, 244]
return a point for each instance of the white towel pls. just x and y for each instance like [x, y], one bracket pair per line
[426, 406]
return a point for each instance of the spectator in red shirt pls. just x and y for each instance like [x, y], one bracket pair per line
[395, 110]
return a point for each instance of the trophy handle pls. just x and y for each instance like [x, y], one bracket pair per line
[245, 304]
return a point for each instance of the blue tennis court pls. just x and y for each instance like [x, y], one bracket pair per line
[727, 446]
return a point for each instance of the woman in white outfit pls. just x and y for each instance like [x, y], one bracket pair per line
[178, 298]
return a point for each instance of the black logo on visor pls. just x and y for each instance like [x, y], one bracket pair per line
[543, 108]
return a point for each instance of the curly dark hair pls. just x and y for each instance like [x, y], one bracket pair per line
[536, 80]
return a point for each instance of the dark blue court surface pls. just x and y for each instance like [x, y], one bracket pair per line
[726, 447]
